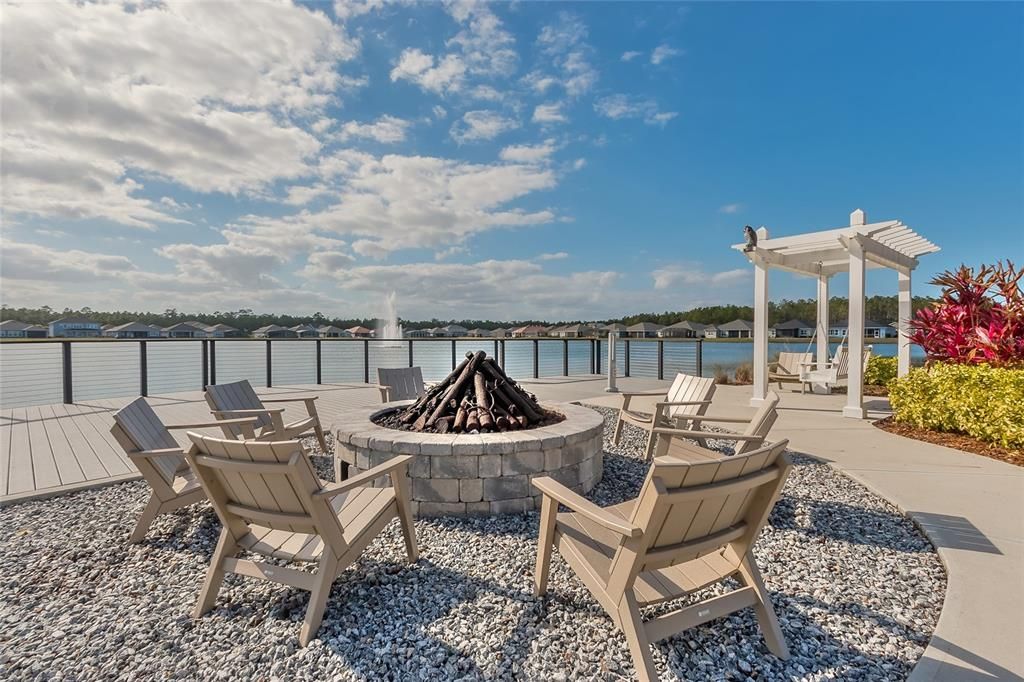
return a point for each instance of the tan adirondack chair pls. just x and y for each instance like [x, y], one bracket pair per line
[688, 395]
[400, 383]
[152, 449]
[787, 369]
[755, 431]
[692, 525]
[271, 503]
[238, 399]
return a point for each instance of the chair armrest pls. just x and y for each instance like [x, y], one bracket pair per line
[365, 477]
[296, 399]
[642, 393]
[680, 404]
[147, 454]
[213, 425]
[712, 418]
[706, 434]
[581, 505]
[249, 413]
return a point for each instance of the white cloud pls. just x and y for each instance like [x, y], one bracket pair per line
[622, 106]
[663, 52]
[578, 164]
[549, 113]
[439, 112]
[386, 130]
[630, 56]
[730, 208]
[539, 82]
[437, 76]
[565, 41]
[486, 93]
[559, 255]
[481, 125]
[525, 153]
[487, 48]
[99, 96]
[673, 275]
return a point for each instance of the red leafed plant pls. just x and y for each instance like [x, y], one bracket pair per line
[979, 319]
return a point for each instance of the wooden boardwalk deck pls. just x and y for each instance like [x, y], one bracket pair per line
[51, 449]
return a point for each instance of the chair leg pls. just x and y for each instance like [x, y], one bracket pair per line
[652, 438]
[618, 431]
[325, 576]
[145, 519]
[636, 638]
[403, 499]
[545, 544]
[766, 618]
[320, 437]
[226, 547]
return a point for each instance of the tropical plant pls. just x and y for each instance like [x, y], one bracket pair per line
[978, 319]
[880, 371]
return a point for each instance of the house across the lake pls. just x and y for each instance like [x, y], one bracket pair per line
[360, 332]
[530, 330]
[792, 329]
[683, 330]
[305, 331]
[737, 329]
[329, 331]
[13, 329]
[615, 328]
[643, 330]
[75, 327]
[184, 330]
[274, 331]
[872, 330]
[132, 330]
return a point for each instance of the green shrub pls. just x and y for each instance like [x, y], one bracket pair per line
[880, 371]
[980, 400]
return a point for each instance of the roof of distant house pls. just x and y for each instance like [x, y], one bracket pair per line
[303, 328]
[644, 327]
[13, 326]
[793, 324]
[221, 327]
[737, 325]
[360, 330]
[74, 319]
[132, 327]
[686, 324]
[270, 328]
[184, 327]
[198, 325]
[330, 329]
[613, 327]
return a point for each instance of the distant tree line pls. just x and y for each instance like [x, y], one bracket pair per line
[879, 308]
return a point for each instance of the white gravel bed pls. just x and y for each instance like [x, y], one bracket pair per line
[856, 586]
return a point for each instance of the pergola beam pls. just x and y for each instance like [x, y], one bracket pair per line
[883, 255]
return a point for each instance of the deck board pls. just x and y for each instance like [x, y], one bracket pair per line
[62, 448]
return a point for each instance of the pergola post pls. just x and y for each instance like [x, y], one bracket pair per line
[903, 323]
[822, 324]
[855, 337]
[760, 328]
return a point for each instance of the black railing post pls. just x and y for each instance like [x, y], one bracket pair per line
[319, 364]
[661, 359]
[366, 361]
[536, 358]
[213, 361]
[495, 350]
[204, 377]
[69, 396]
[454, 363]
[597, 356]
[270, 363]
[503, 353]
[625, 370]
[410, 353]
[143, 370]
[565, 357]
[700, 357]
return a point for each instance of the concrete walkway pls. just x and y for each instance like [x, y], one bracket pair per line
[970, 507]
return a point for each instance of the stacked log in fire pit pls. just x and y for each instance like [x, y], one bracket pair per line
[476, 397]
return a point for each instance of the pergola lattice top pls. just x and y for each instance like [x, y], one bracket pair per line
[889, 244]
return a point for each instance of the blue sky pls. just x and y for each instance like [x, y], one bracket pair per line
[525, 160]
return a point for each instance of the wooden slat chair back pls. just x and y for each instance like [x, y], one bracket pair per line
[400, 383]
[239, 399]
[271, 502]
[687, 396]
[692, 525]
[237, 395]
[159, 458]
[790, 362]
[753, 436]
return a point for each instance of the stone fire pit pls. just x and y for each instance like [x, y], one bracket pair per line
[485, 473]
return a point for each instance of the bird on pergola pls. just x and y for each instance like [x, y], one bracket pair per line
[751, 237]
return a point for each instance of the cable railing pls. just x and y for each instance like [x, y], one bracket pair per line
[46, 371]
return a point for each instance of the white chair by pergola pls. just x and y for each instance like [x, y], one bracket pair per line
[888, 244]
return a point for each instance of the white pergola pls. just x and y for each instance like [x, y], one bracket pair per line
[889, 244]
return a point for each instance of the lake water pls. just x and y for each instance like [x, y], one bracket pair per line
[32, 373]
